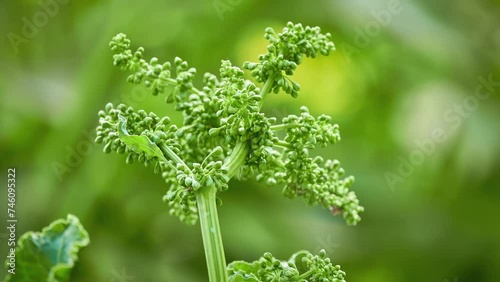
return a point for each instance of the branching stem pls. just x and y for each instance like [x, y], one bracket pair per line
[283, 126]
[236, 159]
[167, 150]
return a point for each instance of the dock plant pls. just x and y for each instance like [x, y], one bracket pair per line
[225, 135]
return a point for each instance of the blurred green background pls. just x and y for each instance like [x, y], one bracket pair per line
[403, 70]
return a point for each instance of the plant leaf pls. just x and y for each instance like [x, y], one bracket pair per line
[240, 271]
[138, 143]
[51, 254]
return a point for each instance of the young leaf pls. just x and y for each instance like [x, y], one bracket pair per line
[138, 143]
[51, 254]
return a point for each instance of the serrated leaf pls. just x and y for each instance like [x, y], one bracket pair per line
[51, 254]
[138, 143]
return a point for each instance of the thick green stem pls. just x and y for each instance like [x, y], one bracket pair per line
[207, 208]
[210, 230]
[236, 159]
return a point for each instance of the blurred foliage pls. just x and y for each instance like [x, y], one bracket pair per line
[390, 83]
[50, 254]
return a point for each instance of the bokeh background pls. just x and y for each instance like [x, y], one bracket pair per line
[403, 70]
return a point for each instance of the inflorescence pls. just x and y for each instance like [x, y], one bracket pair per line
[224, 134]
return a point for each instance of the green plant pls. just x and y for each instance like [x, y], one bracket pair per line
[224, 135]
[48, 255]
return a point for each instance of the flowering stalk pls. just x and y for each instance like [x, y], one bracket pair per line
[224, 135]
